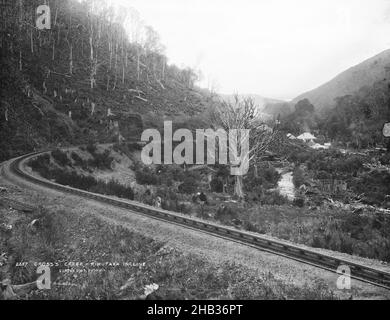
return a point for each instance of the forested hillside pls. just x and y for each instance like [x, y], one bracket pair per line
[348, 82]
[59, 85]
[355, 119]
[358, 119]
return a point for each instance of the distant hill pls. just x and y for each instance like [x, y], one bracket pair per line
[348, 82]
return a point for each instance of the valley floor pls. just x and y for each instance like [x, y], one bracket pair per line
[195, 264]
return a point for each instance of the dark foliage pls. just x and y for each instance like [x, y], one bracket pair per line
[102, 161]
[189, 185]
[146, 176]
[216, 185]
[61, 158]
[226, 213]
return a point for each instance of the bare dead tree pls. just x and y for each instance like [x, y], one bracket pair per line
[242, 115]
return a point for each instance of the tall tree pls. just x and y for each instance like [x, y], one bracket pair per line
[242, 115]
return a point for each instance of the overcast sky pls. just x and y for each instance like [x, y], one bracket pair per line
[275, 48]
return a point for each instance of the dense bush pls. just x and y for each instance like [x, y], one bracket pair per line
[189, 185]
[113, 188]
[101, 161]
[146, 176]
[216, 185]
[335, 163]
[373, 185]
[61, 158]
[78, 161]
[322, 175]
[171, 201]
[40, 164]
[300, 157]
[365, 235]
[89, 183]
[91, 148]
[385, 159]
[330, 161]
[226, 213]
[267, 177]
[173, 172]
[72, 179]
[298, 177]
[252, 227]
[299, 202]
[273, 198]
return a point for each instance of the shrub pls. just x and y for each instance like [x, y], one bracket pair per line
[273, 198]
[174, 172]
[300, 157]
[113, 188]
[72, 179]
[375, 186]
[91, 148]
[101, 161]
[78, 161]
[249, 226]
[299, 202]
[385, 159]
[189, 185]
[146, 176]
[41, 164]
[298, 177]
[216, 185]
[267, 177]
[89, 183]
[226, 213]
[322, 175]
[61, 158]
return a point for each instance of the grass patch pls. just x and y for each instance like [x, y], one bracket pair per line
[66, 237]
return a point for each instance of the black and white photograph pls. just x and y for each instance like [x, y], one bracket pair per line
[192, 156]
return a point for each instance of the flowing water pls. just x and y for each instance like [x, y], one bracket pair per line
[286, 186]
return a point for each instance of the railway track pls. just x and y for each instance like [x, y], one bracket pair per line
[360, 272]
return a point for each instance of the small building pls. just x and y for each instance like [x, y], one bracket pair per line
[307, 137]
[318, 146]
[291, 136]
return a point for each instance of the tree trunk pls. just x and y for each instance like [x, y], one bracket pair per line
[20, 61]
[163, 71]
[239, 187]
[123, 74]
[71, 59]
[256, 171]
[138, 64]
[31, 41]
[108, 83]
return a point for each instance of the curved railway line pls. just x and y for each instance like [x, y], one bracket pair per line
[360, 272]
